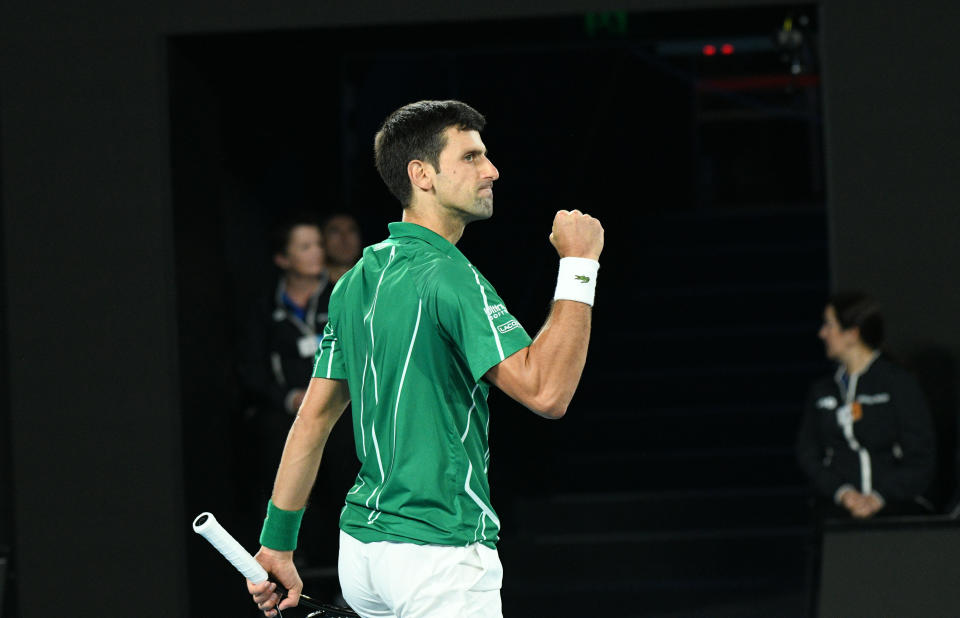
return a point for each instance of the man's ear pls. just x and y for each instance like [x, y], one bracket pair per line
[282, 262]
[420, 174]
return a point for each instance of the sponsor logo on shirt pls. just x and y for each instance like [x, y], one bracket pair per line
[495, 311]
[849, 414]
[509, 326]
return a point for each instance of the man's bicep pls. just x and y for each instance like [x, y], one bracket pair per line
[512, 376]
[325, 397]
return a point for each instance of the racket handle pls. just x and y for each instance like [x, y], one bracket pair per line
[207, 526]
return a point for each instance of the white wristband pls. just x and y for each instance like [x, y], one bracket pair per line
[577, 280]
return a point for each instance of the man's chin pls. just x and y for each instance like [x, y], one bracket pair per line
[483, 209]
[480, 210]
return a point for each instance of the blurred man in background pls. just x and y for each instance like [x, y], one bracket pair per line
[342, 242]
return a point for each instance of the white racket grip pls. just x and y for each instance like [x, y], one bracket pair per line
[207, 526]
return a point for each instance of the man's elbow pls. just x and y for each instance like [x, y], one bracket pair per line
[555, 413]
[550, 407]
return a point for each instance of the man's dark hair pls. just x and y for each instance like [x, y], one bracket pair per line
[337, 214]
[280, 235]
[416, 132]
[856, 309]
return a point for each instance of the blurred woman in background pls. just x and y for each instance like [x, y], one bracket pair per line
[278, 349]
[282, 334]
[866, 442]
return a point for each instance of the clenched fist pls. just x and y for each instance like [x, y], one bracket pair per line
[577, 235]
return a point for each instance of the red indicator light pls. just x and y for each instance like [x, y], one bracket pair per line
[709, 50]
[726, 49]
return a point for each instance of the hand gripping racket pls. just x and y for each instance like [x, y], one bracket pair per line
[207, 526]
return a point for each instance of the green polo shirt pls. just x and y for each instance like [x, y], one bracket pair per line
[413, 328]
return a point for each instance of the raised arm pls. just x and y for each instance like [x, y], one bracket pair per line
[322, 406]
[544, 375]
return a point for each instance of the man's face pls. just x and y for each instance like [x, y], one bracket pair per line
[464, 182]
[341, 239]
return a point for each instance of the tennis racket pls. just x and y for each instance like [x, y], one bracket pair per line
[207, 526]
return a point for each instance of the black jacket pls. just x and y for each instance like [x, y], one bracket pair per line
[277, 353]
[892, 427]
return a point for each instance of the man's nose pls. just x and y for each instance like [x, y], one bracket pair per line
[491, 172]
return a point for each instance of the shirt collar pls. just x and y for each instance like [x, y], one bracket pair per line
[842, 378]
[404, 229]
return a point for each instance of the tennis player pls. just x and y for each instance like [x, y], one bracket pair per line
[416, 336]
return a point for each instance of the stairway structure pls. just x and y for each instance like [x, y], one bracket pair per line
[672, 487]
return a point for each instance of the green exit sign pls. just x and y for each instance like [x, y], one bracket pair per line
[606, 23]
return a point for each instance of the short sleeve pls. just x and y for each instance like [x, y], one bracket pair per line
[328, 361]
[476, 319]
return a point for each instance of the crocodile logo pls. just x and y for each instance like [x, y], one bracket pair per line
[582, 278]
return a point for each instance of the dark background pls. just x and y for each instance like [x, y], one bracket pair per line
[142, 145]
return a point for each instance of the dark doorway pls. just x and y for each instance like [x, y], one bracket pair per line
[695, 137]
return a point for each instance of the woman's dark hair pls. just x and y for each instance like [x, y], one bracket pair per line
[280, 236]
[416, 132]
[856, 309]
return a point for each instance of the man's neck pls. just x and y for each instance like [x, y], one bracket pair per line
[435, 220]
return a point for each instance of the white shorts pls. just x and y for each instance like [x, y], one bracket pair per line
[403, 580]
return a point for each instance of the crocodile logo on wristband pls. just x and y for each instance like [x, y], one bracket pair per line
[582, 278]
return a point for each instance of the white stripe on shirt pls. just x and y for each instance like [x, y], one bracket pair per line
[370, 314]
[466, 429]
[473, 496]
[483, 294]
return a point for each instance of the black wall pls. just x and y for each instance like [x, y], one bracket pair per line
[892, 149]
[91, 349]
[88, 239]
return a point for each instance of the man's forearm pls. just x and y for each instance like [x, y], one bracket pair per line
[299, 464]
[322, 406]
[544, 375]
[559, 352]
